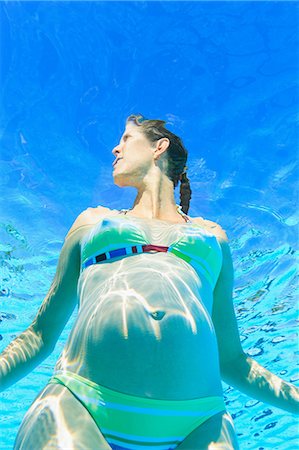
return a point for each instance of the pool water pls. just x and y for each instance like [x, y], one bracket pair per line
[224, 76]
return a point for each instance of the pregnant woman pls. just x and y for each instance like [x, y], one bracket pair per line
[156, 330]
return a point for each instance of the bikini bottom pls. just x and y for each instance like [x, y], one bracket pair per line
[138, 423]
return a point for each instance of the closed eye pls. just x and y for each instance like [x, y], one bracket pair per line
[126, 136]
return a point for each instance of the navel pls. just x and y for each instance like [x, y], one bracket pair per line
[157, 315]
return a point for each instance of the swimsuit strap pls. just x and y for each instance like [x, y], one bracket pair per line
[179, 210]
[178, 207]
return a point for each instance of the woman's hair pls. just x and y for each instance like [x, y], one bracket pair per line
[177, 154]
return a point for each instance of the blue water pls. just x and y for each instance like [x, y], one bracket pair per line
[225, 77]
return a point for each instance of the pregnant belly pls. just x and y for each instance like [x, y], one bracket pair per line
[163, 348]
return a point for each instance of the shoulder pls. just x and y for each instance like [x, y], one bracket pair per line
[221, 236]
[87, 218]
[213, 228]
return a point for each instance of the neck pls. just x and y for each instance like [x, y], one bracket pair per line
[155, 199]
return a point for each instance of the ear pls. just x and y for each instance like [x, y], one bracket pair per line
[161, 147]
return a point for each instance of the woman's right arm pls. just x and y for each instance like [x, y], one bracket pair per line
[37, 342]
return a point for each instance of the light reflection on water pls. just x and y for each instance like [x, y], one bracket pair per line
[265, 305]
[226, 80]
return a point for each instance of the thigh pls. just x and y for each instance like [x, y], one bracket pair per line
[217, 433]
[57, 420]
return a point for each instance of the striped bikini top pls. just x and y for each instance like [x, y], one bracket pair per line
[117, 236]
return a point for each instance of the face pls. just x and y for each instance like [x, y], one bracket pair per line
[134, 156]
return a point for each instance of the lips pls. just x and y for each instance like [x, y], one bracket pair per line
[116, 161]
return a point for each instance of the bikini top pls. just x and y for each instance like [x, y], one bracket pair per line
[117, 236]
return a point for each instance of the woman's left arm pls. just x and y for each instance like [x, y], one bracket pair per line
[238, 369]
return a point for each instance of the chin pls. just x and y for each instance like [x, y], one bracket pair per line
[122, 179]
[119, 181]
[123, 183]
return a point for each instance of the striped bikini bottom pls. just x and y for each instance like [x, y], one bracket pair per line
[132, 423]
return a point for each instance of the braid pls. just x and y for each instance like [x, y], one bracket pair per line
[185, 192]
[177, 155]
[176, 174]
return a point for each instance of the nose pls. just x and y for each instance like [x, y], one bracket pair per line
[116, 150]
